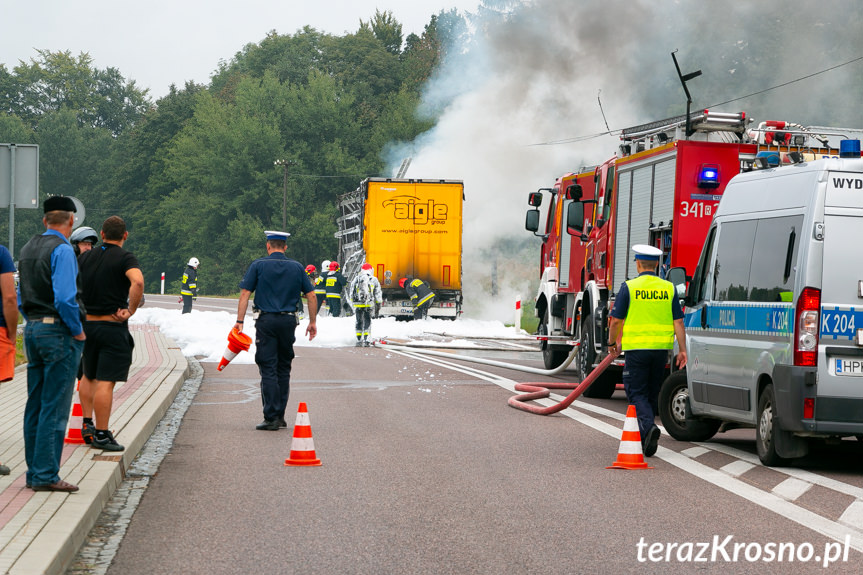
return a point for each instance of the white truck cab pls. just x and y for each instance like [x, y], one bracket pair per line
[774, 312]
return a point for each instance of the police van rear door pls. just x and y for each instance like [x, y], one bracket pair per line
[840, 377]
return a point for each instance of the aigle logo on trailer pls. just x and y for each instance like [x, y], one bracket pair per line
[411, 208]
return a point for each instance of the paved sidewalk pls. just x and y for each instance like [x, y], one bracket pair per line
[40, 532]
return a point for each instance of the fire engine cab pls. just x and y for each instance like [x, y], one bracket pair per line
[661, 188]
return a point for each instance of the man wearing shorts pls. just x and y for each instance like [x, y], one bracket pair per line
[8, 322]
[112, 286]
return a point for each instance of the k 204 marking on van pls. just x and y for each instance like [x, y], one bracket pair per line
[840, 322]
[744, 318]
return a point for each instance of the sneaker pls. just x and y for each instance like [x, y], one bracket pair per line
[651, 441]
[87, 432]
[108, 444]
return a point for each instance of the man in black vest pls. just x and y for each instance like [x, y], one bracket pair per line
[53, 341]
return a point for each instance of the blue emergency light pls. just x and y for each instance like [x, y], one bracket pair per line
[708, 176]
[849, 149]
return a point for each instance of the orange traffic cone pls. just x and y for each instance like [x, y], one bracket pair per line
[630, 456]
[302, 445]
[237, 342]
[76, 419]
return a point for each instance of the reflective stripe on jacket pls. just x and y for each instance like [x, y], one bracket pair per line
[649, 322]
[419, 291]
[190, 282]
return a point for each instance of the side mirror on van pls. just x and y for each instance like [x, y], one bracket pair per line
[531, 221]
[677, 276]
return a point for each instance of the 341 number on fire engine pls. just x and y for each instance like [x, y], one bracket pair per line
[696, 209]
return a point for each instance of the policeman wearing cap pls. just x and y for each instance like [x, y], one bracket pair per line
[277, 282]
[647, 314]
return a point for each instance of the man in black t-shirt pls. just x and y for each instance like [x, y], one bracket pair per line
[112, 288]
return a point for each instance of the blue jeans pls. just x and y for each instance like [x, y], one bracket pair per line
[53, 357]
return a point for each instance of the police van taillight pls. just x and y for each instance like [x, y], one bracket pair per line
[808, 321]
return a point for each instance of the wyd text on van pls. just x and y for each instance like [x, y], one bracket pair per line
[729, 551]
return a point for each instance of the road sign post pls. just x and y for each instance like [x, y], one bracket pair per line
[19, 181]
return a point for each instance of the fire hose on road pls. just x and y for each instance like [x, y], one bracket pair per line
[535, 390]
[541, 391]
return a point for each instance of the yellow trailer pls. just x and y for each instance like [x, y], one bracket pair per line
[405, 228]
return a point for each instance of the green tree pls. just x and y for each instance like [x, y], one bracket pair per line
[386, 29]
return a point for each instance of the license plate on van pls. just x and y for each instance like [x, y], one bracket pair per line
[849, 366]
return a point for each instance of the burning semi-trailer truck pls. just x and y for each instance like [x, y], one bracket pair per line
[405, 228]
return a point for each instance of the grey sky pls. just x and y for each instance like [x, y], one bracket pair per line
[160, 42]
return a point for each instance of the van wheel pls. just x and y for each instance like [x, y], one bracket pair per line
[765, 432]
[585, 358]
[673, 397]
[552, 356]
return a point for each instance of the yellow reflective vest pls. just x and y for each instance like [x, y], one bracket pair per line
[649, 321]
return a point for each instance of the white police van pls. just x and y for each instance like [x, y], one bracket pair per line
[774, 312]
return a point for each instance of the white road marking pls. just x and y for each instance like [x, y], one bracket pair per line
[695, 452]
[737, 468]
[792, 488]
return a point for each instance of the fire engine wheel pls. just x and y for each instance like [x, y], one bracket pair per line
[552, 356]
[766, 430]
[673, 397]
[606, 383]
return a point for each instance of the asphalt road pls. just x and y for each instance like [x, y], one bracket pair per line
[426, 469]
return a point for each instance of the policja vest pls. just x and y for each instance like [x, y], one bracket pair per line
[649, 322]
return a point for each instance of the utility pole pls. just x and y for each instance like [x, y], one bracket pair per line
[285, 164]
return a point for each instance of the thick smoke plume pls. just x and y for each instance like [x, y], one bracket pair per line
[529, 73]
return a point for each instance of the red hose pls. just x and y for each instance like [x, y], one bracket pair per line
[541, 391]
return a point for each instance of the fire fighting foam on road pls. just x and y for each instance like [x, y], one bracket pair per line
[204, 334]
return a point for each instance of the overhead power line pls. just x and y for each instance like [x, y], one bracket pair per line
[616, 131]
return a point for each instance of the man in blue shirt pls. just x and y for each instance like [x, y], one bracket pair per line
[53, 340]
[277, 282]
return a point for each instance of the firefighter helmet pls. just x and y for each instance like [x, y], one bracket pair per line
[310, 269]
[367, 266]
[84, 234]
[402, 282]
[194, 263]
[325, 265]
[334, 266]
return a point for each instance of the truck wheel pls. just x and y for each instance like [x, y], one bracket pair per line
[673, 397]
[552, 356]
[606, 383]
[766, 430]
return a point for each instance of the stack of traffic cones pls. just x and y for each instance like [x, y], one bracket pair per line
[630, 455]
[76, 419]
[302, 444]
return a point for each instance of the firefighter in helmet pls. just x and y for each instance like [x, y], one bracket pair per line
[365, 294]
[645, 319]
[312, 272]
[420, 293]
[334, 284]
[189, 287]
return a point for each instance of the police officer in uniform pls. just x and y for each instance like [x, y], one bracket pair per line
[647, 314]
[420, 293]
[277, 282]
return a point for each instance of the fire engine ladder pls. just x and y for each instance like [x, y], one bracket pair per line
[350, 234]
[672, 128]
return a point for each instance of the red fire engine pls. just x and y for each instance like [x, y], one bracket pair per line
[661, 188]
